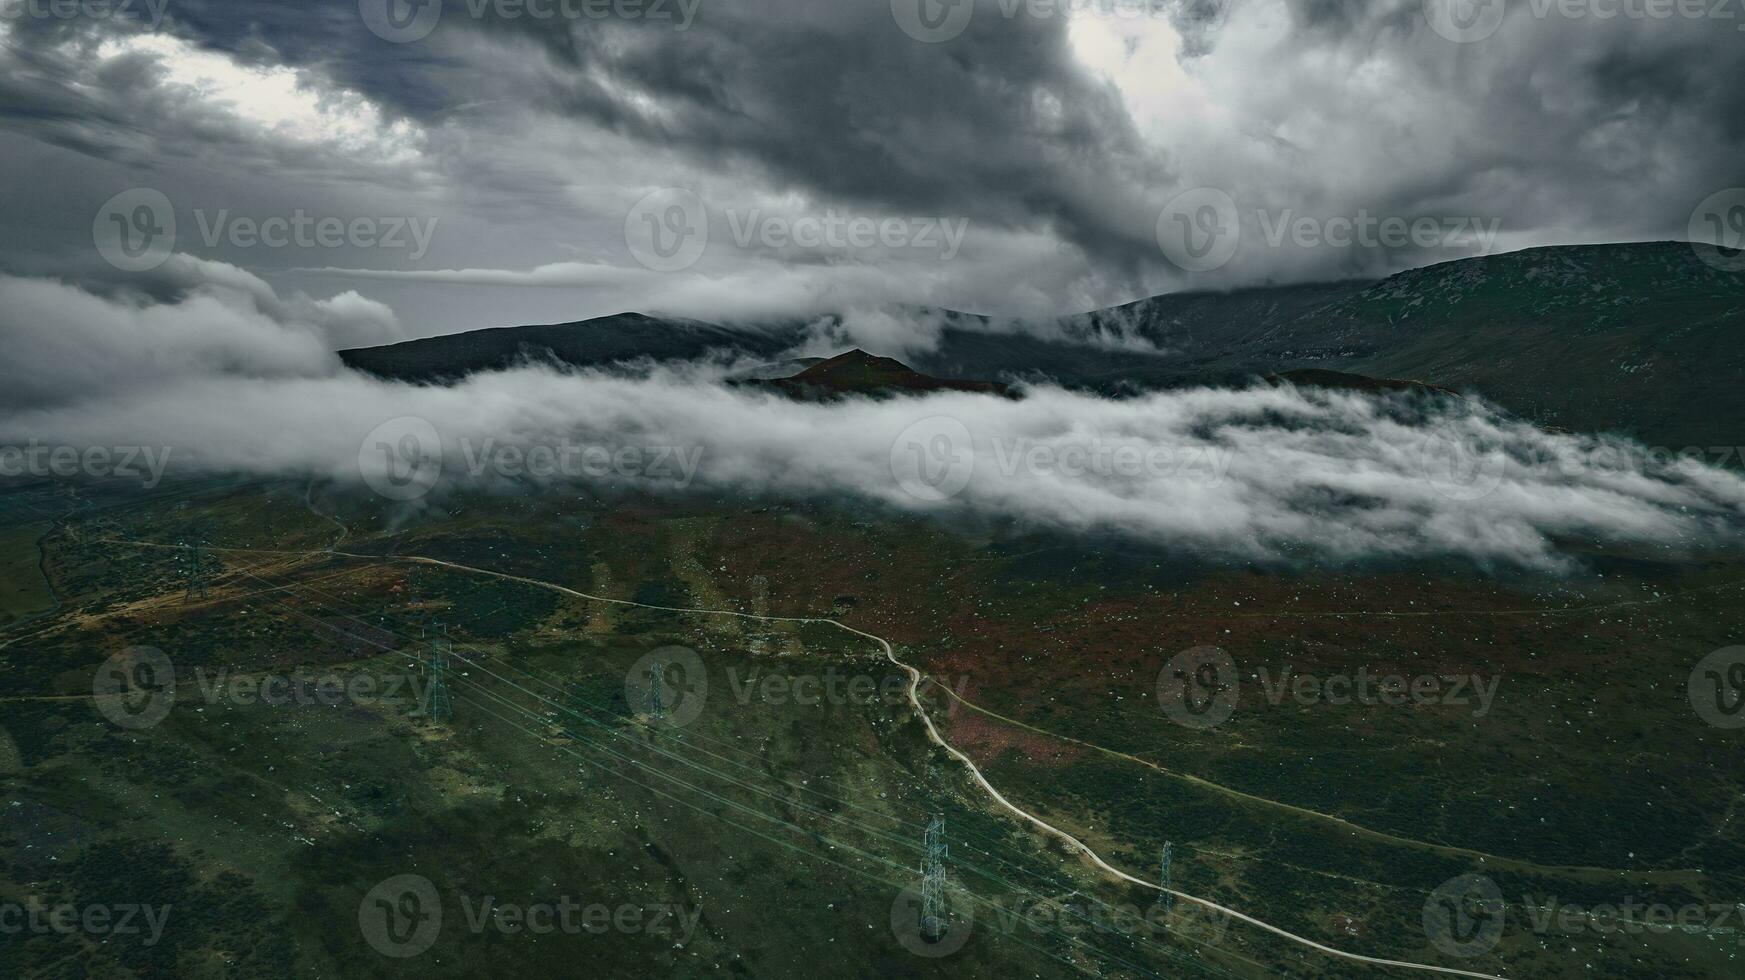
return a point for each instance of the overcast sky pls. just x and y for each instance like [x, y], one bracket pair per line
[205, 198]
[491, 169]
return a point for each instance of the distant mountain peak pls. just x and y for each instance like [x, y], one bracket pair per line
[856, 360]
[856, 372]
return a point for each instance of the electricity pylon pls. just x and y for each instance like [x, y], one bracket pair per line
[437, 706]
[1168, 852]
[656, 677]
[933, 923]
[194, 568]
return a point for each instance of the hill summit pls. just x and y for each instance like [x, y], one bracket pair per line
[858, 373]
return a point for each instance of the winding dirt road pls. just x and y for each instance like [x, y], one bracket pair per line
[915, 678]
[933, 735]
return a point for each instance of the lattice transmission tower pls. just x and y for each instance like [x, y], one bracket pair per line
[934, 851]
[194, 567]
[437, 705]
[656, 706]
[1168, 853]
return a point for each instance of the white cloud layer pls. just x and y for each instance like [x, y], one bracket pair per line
[1256, 473]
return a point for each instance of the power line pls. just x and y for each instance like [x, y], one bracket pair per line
[995, 878]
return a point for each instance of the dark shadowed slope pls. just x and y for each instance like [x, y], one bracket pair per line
[601, 341]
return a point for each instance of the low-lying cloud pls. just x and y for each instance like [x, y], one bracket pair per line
[1255, 473]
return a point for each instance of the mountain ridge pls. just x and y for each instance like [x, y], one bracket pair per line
[1645, 339]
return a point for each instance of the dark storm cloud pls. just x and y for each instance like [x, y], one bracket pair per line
[830, 97]
[1003, 127]
[532, 138]
[1577, 119]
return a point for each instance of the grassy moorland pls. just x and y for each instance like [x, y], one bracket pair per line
[788, 817]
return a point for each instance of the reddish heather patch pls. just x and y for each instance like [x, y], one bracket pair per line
[984, 738]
